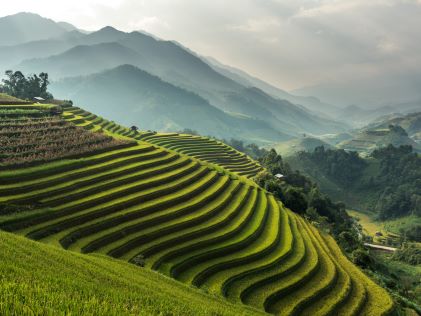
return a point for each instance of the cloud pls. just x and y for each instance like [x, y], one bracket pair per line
[257, 25]
[147, 23]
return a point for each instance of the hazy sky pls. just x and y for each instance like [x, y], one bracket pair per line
[291, 43]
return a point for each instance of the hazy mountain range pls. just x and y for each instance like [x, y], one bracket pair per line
[225, 101]
[142, 99]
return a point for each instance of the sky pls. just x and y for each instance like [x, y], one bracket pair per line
[289, 43]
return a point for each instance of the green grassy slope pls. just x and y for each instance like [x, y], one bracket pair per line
[38, 279]
[189, 219]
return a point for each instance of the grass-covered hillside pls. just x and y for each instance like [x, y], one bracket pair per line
[411, 123]
[293, 146]
[38, 279]
[368, 140]
[180, 205]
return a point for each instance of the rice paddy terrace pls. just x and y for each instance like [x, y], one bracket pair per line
[160, 203]
[203, 148]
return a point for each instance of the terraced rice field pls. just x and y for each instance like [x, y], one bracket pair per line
[32, 135]
[169, 212]
[202, 148]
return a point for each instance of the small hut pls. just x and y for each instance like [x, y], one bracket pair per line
[39, 100]
[279, 176]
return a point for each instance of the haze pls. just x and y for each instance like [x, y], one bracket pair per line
[344, 52]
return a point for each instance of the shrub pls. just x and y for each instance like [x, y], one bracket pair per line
[361, 258]
[409, 253]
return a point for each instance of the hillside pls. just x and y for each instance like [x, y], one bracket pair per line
[7, 99]
[56, 281]
[203, 148]
[367, 140]
[385, 183]
[134, 97]
[184, 217]
[411, 123]
[293, 146]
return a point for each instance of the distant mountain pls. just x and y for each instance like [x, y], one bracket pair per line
[180, 67]
[281, 114]
[67, 26]
[311, 103]
[359, 117]
[76, 53]
[132, 96]
[12, 56]
[84, 60]
[24, 27]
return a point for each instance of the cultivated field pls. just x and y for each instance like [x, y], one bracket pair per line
[202, 148]
[29, 136]
[166, 210]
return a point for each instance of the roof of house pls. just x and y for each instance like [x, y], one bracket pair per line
[39, 98]
[279, 175]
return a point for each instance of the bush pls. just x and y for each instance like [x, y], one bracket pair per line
[348, 241]
[361, 258]
[413, 233]
[295, 200]
[409, 253]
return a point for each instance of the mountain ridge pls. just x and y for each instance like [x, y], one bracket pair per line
[13, 28]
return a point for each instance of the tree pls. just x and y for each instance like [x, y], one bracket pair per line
[361, 258]
[134, 128]
[295, 200]
[22, 87]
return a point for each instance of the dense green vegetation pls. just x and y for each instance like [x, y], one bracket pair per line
[410, 253]
[388, 182]
[19, 86]
[195, 221]
[400, 176]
